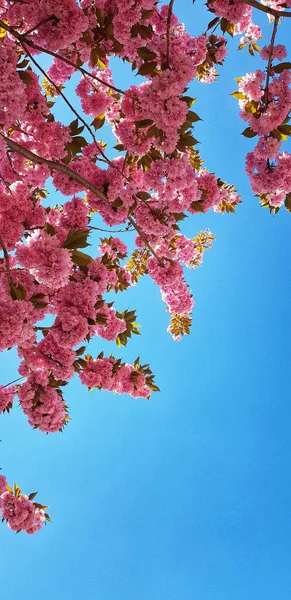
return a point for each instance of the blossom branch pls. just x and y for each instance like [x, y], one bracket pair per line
[60, 92]
[53, 165]
[266, 9]
[269, 67]
[22, 39]
[56, 166]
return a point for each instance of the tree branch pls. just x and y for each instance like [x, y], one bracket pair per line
[22, 39]
[59, 91]
[56, 166]
[266, 9]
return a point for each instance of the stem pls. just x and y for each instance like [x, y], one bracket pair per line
[149, 246]
[266, 9]
[110, 230]
[52, 17]
[170, 12]
[11, 382]
[58, 89]
[6, 258]
[269, 67]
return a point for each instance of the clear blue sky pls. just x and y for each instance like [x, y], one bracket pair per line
[187, 497]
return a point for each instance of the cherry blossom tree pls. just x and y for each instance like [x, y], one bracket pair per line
[54, 296]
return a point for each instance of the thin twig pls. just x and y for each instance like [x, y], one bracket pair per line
[71, 107]
[60, 92]
[52, 17]
[11, 382]
[6, 258]
[269, 67]
[170, 12]
[110, 230]
[142, 235]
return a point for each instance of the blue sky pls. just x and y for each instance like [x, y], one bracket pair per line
[186, 497]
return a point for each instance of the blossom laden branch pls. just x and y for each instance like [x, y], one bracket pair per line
[57, 166]
[23, 40]
[266, 9]
[269, 66]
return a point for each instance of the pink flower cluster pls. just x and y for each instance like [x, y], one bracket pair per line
[18, 511]
[109, 374]
[53, 33]
[43, 405]
[45, 259]
[169, 277]
[274, 109]
[7, 395]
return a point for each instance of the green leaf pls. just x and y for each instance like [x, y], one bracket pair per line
[76, 239]
[32, 495]
[212, 23]
[146, 54]
[145, 31]
[18, 292]
[285, 129]
[238, 95]
[249, 133]
[192, 116]
[144, 123]
[147, 68]
[25, 76]
[98, 122]
[189, 101]
[281, 67]
[49, 229]
[288, 202]
[81, 259]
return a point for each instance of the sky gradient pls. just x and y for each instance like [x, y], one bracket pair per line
[186, 497]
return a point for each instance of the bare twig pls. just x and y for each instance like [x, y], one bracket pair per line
[110, 230]
[11, 382]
